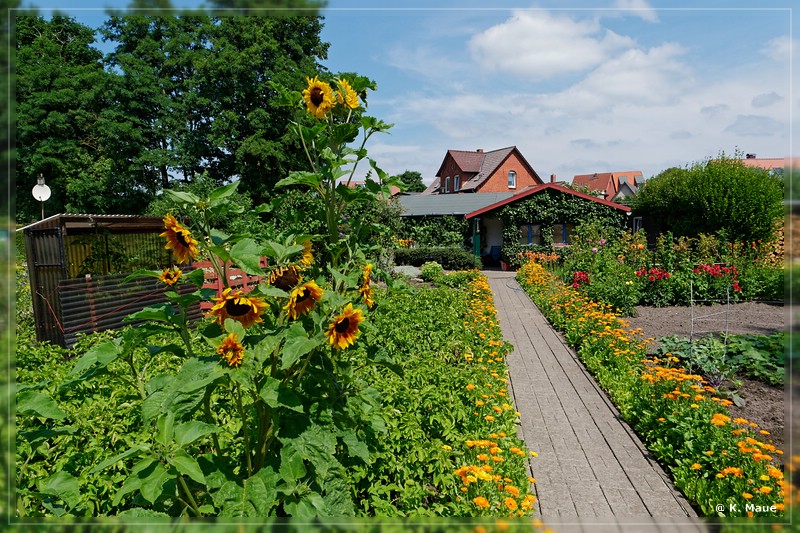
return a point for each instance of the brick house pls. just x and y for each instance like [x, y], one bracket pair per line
[498, 171]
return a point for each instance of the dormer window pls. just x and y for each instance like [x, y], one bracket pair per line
[512, 179]
[457, 184]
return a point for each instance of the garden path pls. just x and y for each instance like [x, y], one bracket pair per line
[591, 468]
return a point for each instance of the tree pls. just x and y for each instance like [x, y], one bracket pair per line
[59, 79]
[412, 181]
[720, 195]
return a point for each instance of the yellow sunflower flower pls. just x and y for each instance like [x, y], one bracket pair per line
[366, 290]
[318, 97]
[231, 350]
[347, 95]
[308, 256]
[237, 306]
[344, 328]
[179, 240]
[302, 299]
[170, 276]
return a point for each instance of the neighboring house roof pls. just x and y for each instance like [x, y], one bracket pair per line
[607, 181]
[771, 163]
[433, 187]
[525, 193]
[417, 205]
[478, 166]
[625, 190]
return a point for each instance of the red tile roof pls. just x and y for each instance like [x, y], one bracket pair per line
[770, 163]
[530, 191]
[478, 166]
[606, 181]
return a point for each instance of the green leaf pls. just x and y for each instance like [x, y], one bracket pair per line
[153, 483]
[62, 485]
[355, 447]
[309, 179]
[181, 197]
[310, 506]
[297, 345]
[277, 395]
[188, 432]
[246, 254]
[124, 455]
[196, 277]
[34, 437]
[143, 273]
[164, 428]
[221, 252]
[292, 467]
[188, 466]
[35, 403]
[222, 192]
[101, 354]
[271, 291]
[160, 312]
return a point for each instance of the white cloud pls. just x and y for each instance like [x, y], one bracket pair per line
[636, 77]
[756, 126]
[539, 45]
[780, 48]
[640, 8]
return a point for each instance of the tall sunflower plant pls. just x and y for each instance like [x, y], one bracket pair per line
[333, 128]
[266, 412]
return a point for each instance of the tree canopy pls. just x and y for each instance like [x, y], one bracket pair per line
[412, 181]
[720, 195]
[178, 97]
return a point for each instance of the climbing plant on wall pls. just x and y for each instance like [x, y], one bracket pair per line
[547, 209]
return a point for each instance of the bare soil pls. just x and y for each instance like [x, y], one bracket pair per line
[765, 405]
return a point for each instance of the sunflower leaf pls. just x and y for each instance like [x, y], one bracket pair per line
[297, 345]
[221, 193]
[247, 256]
[309, 179]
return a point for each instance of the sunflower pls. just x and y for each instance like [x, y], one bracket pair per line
[179, 240]
[170, 276]
[308, 256]
[347, 95]
[302, 299]
[344, 328]
[366, 291]
[237, 306]
[231, 350]
[318, 97]
[285, 278]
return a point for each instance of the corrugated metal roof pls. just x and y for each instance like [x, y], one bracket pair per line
[418, 205]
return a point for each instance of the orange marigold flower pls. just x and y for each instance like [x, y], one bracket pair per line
[747, 496]
[511, 504]
[481, 502]
[696, 466]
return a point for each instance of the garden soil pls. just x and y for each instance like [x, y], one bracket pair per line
[765, 405]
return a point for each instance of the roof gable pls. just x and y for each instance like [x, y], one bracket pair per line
[540, 188]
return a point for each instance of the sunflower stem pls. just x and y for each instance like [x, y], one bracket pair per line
[192, 502]
[210, 418]
[247, 450]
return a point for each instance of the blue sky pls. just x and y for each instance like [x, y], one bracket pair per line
[579, 87]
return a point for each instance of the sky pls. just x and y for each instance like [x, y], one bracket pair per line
[577, 86]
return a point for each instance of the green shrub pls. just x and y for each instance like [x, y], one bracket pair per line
[451, 258]
[431, 271]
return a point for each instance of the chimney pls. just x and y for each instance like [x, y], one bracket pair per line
[479, 150]
[552, 178]
[750, 156]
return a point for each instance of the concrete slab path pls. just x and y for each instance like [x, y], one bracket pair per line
[591, 470]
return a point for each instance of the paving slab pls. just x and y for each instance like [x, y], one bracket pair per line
[592, 470]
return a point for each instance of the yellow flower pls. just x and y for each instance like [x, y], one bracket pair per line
[170, 276]
[231, 350]
[302, 299]
[696, 466]
[308, 256]
[179, 240]
[447, 448]
[765, 490]
[747, 496]
[318, 97]
[237, 306]
[343, 330]
[347, 95]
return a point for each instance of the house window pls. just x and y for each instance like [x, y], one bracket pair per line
[457, 184]
[562, 233]
[637, 224]
[512, 179]
[447, 184]
[530, 235]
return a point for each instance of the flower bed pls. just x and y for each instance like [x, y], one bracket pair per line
[715, 460]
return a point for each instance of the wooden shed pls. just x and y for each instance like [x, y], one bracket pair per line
[77, 264]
